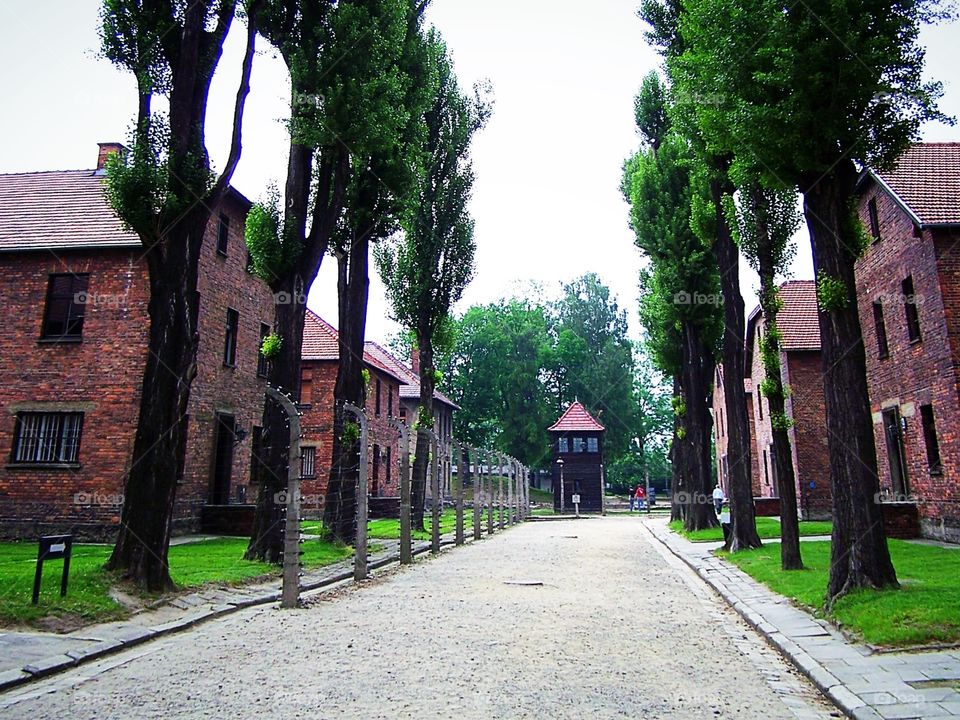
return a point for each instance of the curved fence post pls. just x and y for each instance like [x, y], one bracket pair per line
[406, 545]
[290, 594]
[435, 468]
[476, 476]
[511, 475]
[360, 546]
[499, 491]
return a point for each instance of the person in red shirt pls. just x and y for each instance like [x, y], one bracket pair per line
[641, 496]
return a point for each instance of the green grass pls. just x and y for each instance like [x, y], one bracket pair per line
[541, 496]
[926, 609]
[88, 599]
[767, 528]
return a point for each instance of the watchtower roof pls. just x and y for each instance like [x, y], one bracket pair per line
[576, 418]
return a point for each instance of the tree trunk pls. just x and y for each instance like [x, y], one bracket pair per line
[698, 368]
[743, 521]
[266, 541]
[425, 419]
[790, 556]
[678, 510]
[339, 514]
[140, 553]
[859, 553]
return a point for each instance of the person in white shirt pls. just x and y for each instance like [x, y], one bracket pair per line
[718, 499]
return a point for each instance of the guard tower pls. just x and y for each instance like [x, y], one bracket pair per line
[577, 440]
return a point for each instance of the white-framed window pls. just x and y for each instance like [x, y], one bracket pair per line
[308, 462]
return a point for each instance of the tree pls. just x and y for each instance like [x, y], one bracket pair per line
[426, 272]
[382, 193]
[678, 307]
[594, 358]
[496, 374]
[164, 189]
[654, 416]
[806, 93]
[764, 222]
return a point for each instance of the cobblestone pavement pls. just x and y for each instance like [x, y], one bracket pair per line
[570, 619]
[865, 684]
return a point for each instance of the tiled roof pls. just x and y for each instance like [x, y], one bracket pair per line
[322, 342]
[410, 391]
[59, 210]
[926, 179]
[798, 319]
[576, 418]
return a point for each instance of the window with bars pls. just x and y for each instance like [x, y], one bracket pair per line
[223, 234]
[66, 303]
[593, 445]
[308, 462]
[230, 338]
[377, 403]
[389, 401]
[47, 438]
[389, 463]
[563, 445]
[263, 365]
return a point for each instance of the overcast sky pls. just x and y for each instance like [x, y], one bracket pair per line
[546, 202]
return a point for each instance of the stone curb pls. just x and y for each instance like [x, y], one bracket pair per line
[53, 664]
[846, 701]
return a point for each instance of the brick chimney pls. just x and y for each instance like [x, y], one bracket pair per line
[106, 150]
[415, 361]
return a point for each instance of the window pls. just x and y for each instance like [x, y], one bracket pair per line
[910, 306]
[390, 402]
[562, 445]
[308, 462]
[66, 301]
[377, 403]
[578, 445]
[766, 468]
[930, 439]
[306, 386]
[223, 234]
[230, 338]
[760, 403]
[883, 347]
[47, 438]
[874, 219]
[593, 445]
[376, 463]
[256, 449]
[403, 413]
[263, 365]
[389, 463]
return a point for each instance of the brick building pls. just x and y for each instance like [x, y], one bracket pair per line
[908, 285]
[801, 373]
[318, 376]
[74, 290]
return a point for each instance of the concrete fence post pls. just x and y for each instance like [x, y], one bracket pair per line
[477, 477]
[488, 495]
[458, 488]
[360, 546]
[436, 492]
[406, 543]
[290, 594]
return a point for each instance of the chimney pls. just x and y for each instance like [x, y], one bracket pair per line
[106, 150]
[415, 361]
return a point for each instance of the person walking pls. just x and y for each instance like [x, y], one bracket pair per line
[640, 497]
[718, 499]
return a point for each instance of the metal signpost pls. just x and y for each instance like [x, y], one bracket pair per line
[53, 547]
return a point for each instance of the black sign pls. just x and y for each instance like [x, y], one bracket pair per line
[53, 547]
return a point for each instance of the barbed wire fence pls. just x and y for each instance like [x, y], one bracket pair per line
[504, 495]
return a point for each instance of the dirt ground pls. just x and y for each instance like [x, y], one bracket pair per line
[572, 619]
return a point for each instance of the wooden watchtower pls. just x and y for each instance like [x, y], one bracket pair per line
[577, 440]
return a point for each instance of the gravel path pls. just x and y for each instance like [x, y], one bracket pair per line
[618, 629]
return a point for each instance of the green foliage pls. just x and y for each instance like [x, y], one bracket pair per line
[351, 432]
[365, 374]
[831, 293]
[650, 110]
[271, 345]
[763, 222]
[681, 432]
[679, 406]
[272, 251]
[780, 422]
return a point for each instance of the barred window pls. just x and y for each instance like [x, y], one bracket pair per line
[308, 462]
[593, 445]
[47, 437]
[563, 445]
[230, 338]
[263, 365]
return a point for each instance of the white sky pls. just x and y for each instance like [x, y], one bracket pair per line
[546, 202]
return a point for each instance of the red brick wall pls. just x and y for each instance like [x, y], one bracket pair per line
[721, 438]
[920, 373]
[803, 374]
[102, 376]
[317, 423]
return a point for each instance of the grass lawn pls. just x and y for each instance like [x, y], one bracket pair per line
[88, 599]
[767, 528]
[925, 610]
